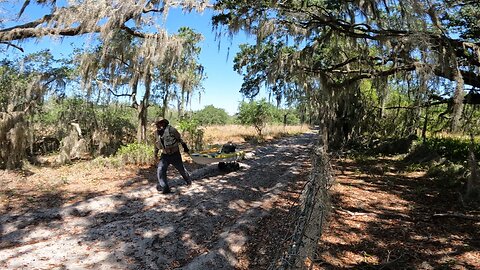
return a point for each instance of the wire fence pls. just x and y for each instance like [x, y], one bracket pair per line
[310, 220]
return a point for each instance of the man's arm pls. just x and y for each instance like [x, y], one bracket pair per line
[177, 135]
[179, 139]
[155, 151]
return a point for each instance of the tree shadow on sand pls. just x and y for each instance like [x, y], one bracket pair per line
[384, 219]
[202, 226]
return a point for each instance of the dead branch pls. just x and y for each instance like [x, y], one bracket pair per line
[119, 95]
[12, 45]
[456, 215]
[341, 210]
[384, 213]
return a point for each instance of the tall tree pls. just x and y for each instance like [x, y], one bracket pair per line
[104, 19]
[188, 72]
[339, 43]
[125, 70]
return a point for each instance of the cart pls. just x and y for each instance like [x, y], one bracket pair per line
[226, 161]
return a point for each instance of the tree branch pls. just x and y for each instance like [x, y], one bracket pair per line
[119, 95]
[132, 32]
[24, 32]
[32, 29]
[13, 45]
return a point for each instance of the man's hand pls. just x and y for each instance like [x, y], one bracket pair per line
[155, 155]
[185, 148]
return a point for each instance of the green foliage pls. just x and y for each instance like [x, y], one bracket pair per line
[446, 160]
[105, 127]
[448, 175]
[256, 113]
[454, 149]
[62, 112]
[192, 133]
[117, 121]
[37, 75]
[465, 20]
[255, 64]
[24, 83]
[259, 113]
[136, 153]
[108, 162]
[211, 116]
[12, 84]
[284, 116]
[368, 91]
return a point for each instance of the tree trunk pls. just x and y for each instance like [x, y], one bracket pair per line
[425, 126]
[457, 101]
[181, 105]
[142, 123]
[397, 113]
[382, 87]
[473, 184]
[187, 100]
[143, 111]
[165, 100]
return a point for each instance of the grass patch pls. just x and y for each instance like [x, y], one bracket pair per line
[107, 162]
[220, 134]
[362, 158]
[136, 153]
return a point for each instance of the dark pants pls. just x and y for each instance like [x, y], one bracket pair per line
[176, 160]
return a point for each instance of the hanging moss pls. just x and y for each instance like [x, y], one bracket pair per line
[13, 139]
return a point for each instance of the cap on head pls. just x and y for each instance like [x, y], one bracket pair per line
[163, 122]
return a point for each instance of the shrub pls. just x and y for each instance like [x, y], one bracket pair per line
[284, 116]
[448, 174]
[108, 162]
[211, 116]
[192, 133]
[454, 149]
[255, 113]
[136, 153]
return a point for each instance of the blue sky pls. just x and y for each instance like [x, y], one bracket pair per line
[222, 84]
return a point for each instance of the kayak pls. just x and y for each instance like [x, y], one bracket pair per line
[208, 158]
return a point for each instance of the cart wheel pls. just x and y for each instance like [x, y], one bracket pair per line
[222, 166]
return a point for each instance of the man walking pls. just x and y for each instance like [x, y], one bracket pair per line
[168, 140]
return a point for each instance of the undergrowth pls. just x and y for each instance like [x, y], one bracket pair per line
[444, 160]
[134, 153]
[453, 149]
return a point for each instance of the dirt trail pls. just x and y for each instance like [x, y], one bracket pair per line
[204, 226]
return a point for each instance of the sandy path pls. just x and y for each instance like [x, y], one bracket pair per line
[204, 226]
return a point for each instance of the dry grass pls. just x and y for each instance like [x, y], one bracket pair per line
[457, 136]
[239, 134]
[71, 183]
